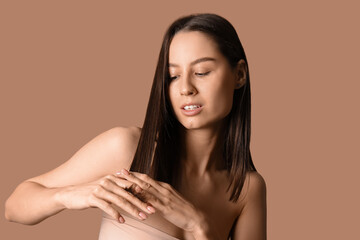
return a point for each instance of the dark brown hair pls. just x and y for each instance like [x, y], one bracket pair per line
[157, 153]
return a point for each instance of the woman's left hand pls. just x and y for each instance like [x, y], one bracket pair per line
[168, 201]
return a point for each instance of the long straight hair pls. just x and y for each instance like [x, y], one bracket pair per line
[157, 153]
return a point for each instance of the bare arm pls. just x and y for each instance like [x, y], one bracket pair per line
[40, 197]
[251, 223]
[31, 203]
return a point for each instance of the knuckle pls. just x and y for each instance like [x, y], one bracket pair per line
[167, 186]
[146, 185]
[167, 193]
[118, 200]
[145, 177]
[98, 189]
[109, 177]
[92, 199]
[134, 211]
[167, 201]
[106, 205]
[142, 176]
[104, 182]
[157, 201]
[143, 205]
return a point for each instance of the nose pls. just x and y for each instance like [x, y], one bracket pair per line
[187, 87]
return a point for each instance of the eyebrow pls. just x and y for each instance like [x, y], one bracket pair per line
[204, 59]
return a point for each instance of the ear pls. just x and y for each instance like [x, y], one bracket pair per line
[240, 74]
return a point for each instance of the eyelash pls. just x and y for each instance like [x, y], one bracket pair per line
[202, 74]
[198, 74]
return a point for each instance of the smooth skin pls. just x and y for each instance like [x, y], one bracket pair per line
[86, 180]
[200, 208]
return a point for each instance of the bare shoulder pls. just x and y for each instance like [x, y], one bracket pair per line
[251, 222]
[256, 182]
[254, 188]
[123, 136]
[105, 154]
[123, 140]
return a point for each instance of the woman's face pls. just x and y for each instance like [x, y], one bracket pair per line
[203, 83]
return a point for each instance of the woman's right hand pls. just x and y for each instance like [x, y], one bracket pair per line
[103, 192]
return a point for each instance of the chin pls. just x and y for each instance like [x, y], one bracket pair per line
[190, 124]
[194, 125]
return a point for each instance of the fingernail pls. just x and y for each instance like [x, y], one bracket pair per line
[124, 171]
[118, 173]
[151, 209]
[121, 219]
[142, 215]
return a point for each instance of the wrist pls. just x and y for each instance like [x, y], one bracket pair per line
[201, 230]
[201, 233]
[59, 197]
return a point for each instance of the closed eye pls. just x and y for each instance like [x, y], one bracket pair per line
[197, 74]
[202, 74]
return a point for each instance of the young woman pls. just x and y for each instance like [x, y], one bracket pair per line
[188, 173]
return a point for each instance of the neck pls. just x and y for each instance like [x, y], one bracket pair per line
[201, 150]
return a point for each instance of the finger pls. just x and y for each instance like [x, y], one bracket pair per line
[140, 193]
[144, 181]
[127, 194]
[164, 201]
[123, 183]
[120, 182]
[161, 187]
[100, 192]
[161, 199]
[162, 196]
[106, 207]
[124, 174]
[157, 202]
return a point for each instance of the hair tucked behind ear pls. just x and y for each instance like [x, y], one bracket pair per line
[157, 152]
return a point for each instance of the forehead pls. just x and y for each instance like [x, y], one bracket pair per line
[188, 46]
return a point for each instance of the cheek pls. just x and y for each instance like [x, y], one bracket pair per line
[223, 104]
[223, 99]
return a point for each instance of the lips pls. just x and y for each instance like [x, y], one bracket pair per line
[191, 112]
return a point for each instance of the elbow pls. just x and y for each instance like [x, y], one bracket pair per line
[10, 214]
[8, 210]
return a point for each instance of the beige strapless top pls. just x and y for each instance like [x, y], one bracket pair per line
[130, 230]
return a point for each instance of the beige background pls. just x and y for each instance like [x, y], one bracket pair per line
[72, 69]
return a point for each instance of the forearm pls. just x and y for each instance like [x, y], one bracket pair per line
[31, 203]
